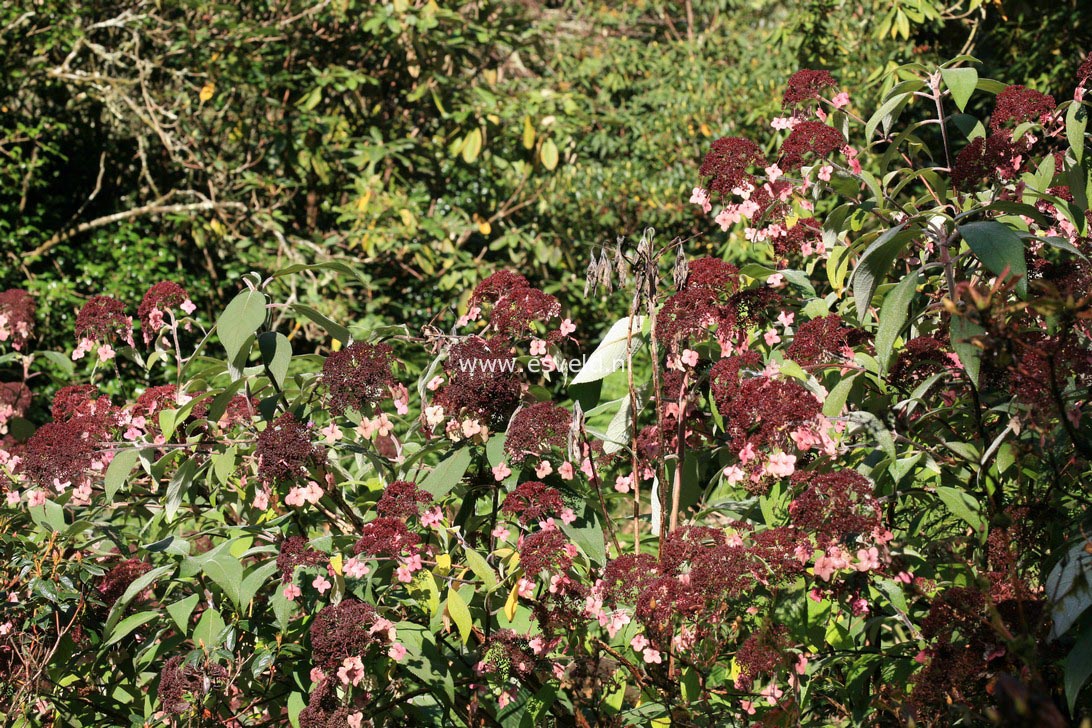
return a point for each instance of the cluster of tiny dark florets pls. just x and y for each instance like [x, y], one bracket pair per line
[481, 381]
[61, 452]
[516, 304]
[402, 499]
[822, 340]
[772, 200]
[156, 399]
[324, 708]
[806, 231]
[537, 429]
[239, 410]
[544, 551]
[103, 319]
[79, 400]
[993, 157]
[508, 654]
[385, 536]
[692, 312]
[533, 501]
[16, 396]
[112, 584]
[16, 317]
[624, 577]
[357, 376]
[181, 684]
[834, 506]
[561, 606]
[761, 654]
[160, 298]
[809, 140]
[343, 630]
[295, 551]
[729, 163]
[285, 451]
[1017, 104]
[757, 409]
[806, 85]
[713, 273]
[922, 357]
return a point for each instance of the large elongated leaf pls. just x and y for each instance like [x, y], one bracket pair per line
[610, 355]
[240, 320]
[1069, 588]
[893, 312]
[448, 473]
[875, 264]
[999, 248]
[961, 82]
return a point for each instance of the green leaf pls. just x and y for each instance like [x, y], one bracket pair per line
[548, 154]
[276, 355]
[1068, 588]
[961, 329]
[999, 248]
[875, 264]
[448, 473]
[296, 704]
[589, 539]
[129, 624]
[226, 571]
[893, 312]
[181, 610]
[207, 633]
[335, 330]
[240, 320]
[963, 505]
[961, 82]
[179, 485]
[460, 614]
[254, 581]
[1076, 121]
[1078, 667]
[610, 355]
[481, 568]
[118, 472]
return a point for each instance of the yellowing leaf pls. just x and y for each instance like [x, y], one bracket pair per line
[443, 563]
[484, 227]
[335, 563]
[705, 130]
[510, 603]
[207, 91]
[472, 146]
[460, 614]
[548, 154]
[528, 133]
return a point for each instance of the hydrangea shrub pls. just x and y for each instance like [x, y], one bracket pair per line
[841, 483]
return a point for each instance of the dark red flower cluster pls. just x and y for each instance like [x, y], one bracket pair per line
[756, 409]
[806, 85]
[537, 429]
[324, 708]
[357, 376]
[183, 686]
[624, 577]
[995, 157]
[295, 551]
[545, 550]
[16, 317]
[823, 340]
[402, 499]
[82, 400]
[806, 232]
[156, 399]
[112, 584]
[713, 273]
[158, 300]
[482, 381]
[834, 506]
[809, 140]
[61, 452]
[772, 201]
[1084, 73]
[561, 606]
[729, 163]
[516, 304]
[239, 410]
[285, 451]
[691, 313]
[1017, 104]
[761, 654]
[103, 319]
[507, 654]
[343, 630]
[15, 397]
[922, 357]
[533, 501]
[385, 536]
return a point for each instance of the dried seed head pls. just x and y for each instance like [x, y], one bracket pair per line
[576, 428]
[681, 270]
[591, 278]
[606, 277]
